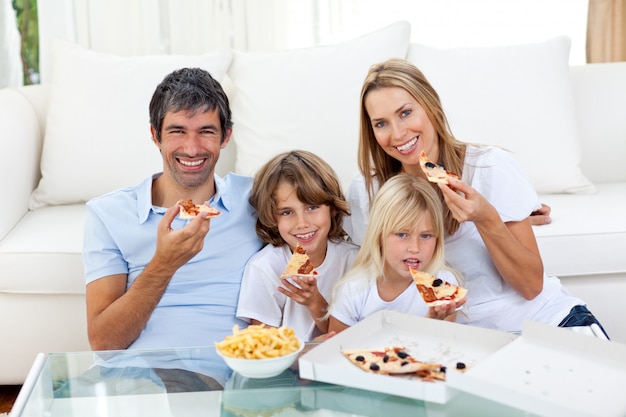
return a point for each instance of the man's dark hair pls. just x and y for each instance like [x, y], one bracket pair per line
[189, 89]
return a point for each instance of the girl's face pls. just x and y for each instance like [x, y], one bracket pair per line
[409, 248]
[302, 223]
[401, 127]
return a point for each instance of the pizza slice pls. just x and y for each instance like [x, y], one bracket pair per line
[299, 264]
[436, 291]
[189, 210]
[393, 361]
[435, 172]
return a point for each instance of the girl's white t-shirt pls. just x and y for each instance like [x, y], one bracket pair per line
[260, 299]
[491, 302]
[358, 298]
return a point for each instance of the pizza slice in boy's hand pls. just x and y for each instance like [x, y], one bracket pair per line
[434, 172]
[436, 291]
[299, 264]
[189, 210]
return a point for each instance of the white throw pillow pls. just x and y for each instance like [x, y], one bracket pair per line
[98, 125]
[517, 97]
[306, 99]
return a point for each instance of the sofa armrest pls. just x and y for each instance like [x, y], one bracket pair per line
[20, 143]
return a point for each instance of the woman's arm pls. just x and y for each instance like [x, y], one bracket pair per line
[335, 326]
[512, 245]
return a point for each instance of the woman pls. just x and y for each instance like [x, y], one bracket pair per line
[488, 231]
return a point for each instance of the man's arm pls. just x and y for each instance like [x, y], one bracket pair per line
[116, 317]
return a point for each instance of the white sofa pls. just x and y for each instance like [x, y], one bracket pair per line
[86, 133]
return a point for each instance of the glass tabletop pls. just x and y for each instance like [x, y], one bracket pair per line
[127, 383]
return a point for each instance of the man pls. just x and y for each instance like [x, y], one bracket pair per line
[153, 279]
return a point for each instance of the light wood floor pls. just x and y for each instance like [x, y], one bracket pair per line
[8, 393]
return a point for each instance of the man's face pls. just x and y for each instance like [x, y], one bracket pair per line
[190, 146]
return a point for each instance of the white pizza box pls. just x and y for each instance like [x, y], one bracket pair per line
[552, 371]
[428, 340]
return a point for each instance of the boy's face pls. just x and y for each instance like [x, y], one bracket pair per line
[409, 248]
[302, 223]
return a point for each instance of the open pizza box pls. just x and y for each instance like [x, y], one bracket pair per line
[427, 340]
[546, 371]
[552, 371]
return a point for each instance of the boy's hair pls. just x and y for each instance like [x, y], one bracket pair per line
[399, 204]
[315, 182]
[193, 90]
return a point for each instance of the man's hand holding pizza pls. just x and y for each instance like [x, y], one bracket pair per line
[176, 247]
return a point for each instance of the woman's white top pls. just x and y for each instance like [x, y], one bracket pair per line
[260, 299]
[358, 298]
[491, 302]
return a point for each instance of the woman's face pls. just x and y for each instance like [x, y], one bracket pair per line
[401, 127]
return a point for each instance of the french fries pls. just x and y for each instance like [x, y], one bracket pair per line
[259, 342]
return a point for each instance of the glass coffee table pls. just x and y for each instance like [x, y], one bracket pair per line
[66, 384]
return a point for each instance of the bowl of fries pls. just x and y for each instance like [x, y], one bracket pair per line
[258, 351]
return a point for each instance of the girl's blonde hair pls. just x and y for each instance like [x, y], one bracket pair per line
[315, 182]
[374, 163]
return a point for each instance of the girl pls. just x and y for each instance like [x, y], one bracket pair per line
[488, 232]
[299, 201]
[405, 230]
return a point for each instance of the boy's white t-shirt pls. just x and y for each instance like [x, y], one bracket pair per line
[491, 302]
[358, 298]
[260, 299]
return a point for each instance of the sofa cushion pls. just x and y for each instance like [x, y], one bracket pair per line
[306, 99]
[517, 97]
[44, 251]
[587, 232]
[98, 130]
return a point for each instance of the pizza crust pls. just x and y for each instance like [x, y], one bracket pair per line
[436, 291]
[189, 210]
[435, 172]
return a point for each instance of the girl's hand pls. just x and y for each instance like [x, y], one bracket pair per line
[445, 311]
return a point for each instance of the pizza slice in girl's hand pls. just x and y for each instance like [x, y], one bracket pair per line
[299, 264]
[189, 210]
[436, 291]
[434, 172]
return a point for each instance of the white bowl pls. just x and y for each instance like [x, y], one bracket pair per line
[262, 368]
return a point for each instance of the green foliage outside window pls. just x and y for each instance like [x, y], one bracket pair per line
[27, 24]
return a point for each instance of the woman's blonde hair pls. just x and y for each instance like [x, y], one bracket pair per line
[315, 183]
[375, 164]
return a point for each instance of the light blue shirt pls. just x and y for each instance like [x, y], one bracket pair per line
[198, 307]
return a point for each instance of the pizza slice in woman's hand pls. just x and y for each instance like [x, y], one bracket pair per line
[189, 210]
[436, 291]
[299, 264]
[435, 172]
